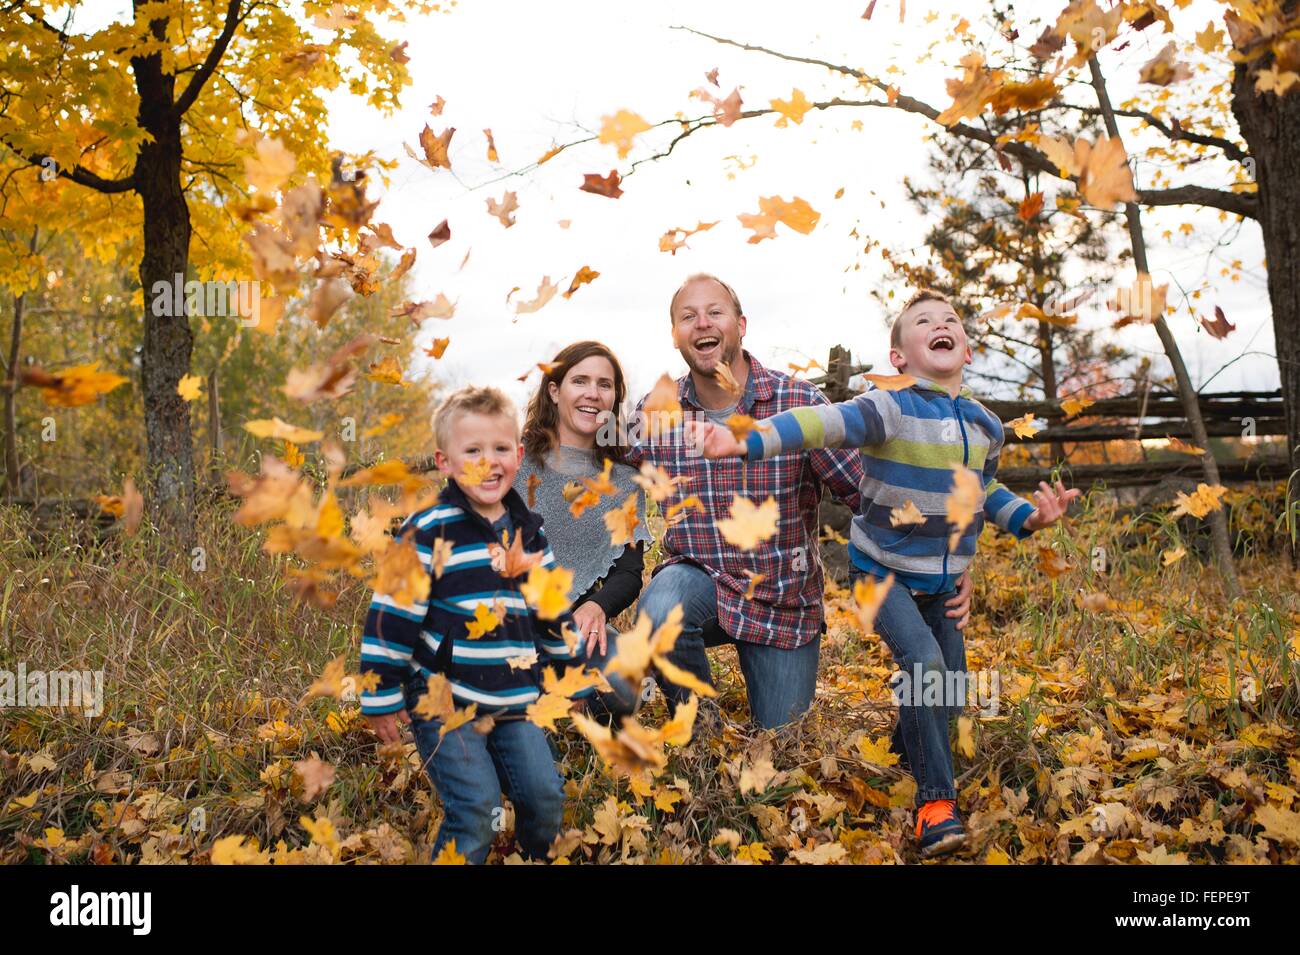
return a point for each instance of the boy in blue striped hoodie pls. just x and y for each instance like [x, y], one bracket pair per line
[459, 541]
[911, 440]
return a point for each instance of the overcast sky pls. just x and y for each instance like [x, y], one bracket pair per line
[544, 73]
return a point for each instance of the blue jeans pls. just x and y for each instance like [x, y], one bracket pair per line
[926, 646]
[780, 682]
[470, 770]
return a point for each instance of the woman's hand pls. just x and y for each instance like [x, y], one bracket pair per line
[960, 604]
[590, 621]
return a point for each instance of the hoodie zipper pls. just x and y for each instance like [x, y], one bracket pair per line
[965, 461]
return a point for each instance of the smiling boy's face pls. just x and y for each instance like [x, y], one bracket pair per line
[473, 437]
[932, 343]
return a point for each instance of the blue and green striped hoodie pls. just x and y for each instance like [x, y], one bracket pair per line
[409, 643]
[910, 439]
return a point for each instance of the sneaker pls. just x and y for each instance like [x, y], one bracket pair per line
[938, 828]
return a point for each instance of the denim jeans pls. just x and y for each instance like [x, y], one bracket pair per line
[470, 770]
[780, 682]
[923, 640]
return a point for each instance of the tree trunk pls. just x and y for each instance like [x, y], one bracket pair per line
[1270, 125]
[13, 468]
[167, 336]
[1186, 390]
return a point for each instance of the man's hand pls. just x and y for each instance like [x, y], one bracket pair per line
[386, 727]
[960, 603]
[713, 441]
[1052, 505]
[589, 620]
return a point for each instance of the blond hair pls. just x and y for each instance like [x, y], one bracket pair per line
[703, 277]
[919, 296]
[471, 399]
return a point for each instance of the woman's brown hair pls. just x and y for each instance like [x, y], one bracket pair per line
[541, 424]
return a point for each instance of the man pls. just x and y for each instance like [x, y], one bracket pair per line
[768, 600]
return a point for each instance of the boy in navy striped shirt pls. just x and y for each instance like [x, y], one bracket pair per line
[911, 440]
[450, 641]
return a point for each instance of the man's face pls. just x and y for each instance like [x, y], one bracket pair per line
[477, 437]
[932, 342]
[707, 330]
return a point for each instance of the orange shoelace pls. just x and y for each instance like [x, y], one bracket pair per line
[935, 812]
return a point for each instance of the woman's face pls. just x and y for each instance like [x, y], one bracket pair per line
[583, 399]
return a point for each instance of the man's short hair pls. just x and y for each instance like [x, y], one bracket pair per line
[703, 277]
[919, 296]
[471, 399]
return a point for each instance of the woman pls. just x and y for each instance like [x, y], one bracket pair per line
[579, 400]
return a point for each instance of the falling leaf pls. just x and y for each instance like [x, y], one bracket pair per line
[1200, 502]
[474, 472]
[1143, 301]
[622, 522]
[547, 591]
[602, 185]
[1210, 39]
[754, 581]
[386, 371]
[749, 524]
[400, 574]
[326, 299]
[440, 234]
[726, 110]
[1173, 555]
[795, 214]
[333, 378]
[891, 382]
[417, 312]
[1182, 447]
[966, 737]
[1051, 563]
[275, 428]
[271, 166]
[1104, 178]
[548, 708]
[678, 510]
[505, 209]
[1163, 69]
[189, 387]
[1220, 327]
[1030, 207]
[971, 92]
[792, 109]
[675, 239]
[315, 776]
[437, 347]
[963, 502]
[545, 292]
[583, 276]
[620, 129]
[71, 387]
[386, 423]
[909, 513]
[657, 483]
[1024, 426]
[482, 623]
[491, 146]
[722, 374]
[740, 425]
[435, 148]
[1072, 406]
[513, 561]
[868, 595]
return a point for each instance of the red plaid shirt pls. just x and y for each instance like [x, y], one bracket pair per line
[786, 609]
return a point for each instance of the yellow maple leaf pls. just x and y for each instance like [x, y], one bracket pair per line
[484, 622]
[868, 594]
[1104, 178]
[963, 502]
[891, 382]
[474, 472]
[1173, 555]
[792, 109]
[876, 751]
[1024, 426]
[909, 513]
[436, 702]
[548, 708]
[189, 387]
[1200, 502]
[749, 524]
[449, 855]
[547, 591]
[1072, 406]
[969, 93]
[620, 129]
[796, 214]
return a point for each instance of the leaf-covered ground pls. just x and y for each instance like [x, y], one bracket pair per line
[1140, 719]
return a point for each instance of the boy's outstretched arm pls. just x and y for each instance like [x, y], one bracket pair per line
[866, 419]
[1016, 514]
[1052, 503]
